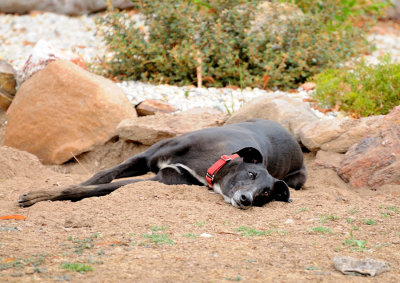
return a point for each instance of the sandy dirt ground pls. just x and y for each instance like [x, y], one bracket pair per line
[150, 232]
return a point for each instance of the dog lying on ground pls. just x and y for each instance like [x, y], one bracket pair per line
[249, 163]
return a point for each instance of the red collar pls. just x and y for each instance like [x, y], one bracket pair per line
[213, 170]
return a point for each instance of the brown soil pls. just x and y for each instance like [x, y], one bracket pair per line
[116, 235]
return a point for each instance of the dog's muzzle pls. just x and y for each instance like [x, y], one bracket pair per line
[242, 199]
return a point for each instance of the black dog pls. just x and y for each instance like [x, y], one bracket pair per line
[262, 160]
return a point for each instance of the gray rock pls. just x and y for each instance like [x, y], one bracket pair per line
[289, 112]
[338, 135]
[368, 266]
[70, 7]
[148, 130]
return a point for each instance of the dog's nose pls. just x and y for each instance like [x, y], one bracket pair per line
[246, 199]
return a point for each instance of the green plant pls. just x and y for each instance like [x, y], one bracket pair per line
[344, 10]
[77, 266]
[159, 239]
[358, 245]
[200, 223]
[362, 90]
[220, 42]
[395, 209]
[34, 260]
[328, 217]
[369, 221]
[237, 278]
[303, 209]
[354, 210]
[190, 235]
[158, 228]
[312, 267]
[81, 244]
[251, 232]
[321, 229]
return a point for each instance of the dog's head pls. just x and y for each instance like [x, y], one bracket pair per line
[245, 181]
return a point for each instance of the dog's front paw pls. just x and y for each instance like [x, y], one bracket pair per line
[33, 197]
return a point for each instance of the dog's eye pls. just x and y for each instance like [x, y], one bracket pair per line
[252, 175]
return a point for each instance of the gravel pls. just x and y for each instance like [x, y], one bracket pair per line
[18, 34]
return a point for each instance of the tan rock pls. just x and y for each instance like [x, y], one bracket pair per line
[148, 130]
[289, 112]
[328, 160]
[63, 110]
[337, 135]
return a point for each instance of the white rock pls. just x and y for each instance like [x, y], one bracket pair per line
[289, 221]
[205, 235]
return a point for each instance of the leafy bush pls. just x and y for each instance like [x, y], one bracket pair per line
[220, 40]
[363, 90]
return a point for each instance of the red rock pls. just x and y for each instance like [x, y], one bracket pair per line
[63, 111]
[151, 107]
[375, 161]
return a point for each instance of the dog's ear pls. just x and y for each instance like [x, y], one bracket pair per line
[250, 155]
[280, 191]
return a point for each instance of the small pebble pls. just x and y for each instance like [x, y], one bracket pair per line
[205, 235]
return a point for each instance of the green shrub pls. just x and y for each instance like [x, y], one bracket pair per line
[362, 90]
[340, 11]
[77, 266]
[221, 38]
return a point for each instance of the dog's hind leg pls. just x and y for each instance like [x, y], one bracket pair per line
[73, 193]
[296, 179]
[134, 166]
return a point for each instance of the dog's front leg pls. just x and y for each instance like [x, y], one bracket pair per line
[134, 166]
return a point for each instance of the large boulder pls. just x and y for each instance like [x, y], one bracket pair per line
[148, 130]
[289, 112]
[70, 7]
[375, 160]
[63, 110]
[337, 135]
